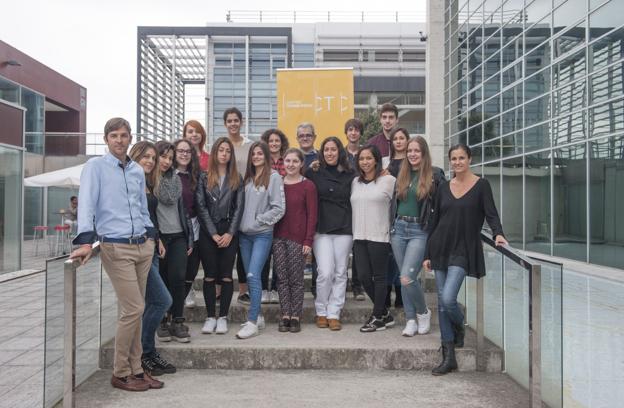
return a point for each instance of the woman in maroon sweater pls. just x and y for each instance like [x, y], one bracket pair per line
[292, 240]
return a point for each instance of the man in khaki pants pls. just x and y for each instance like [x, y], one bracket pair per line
[113, 209]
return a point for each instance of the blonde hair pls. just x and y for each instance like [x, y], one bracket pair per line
[425, 170]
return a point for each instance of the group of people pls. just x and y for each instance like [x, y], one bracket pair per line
[167, 207]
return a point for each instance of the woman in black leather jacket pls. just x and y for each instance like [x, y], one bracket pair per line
[220, 200]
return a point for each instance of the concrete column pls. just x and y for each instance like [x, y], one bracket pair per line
[434, 66]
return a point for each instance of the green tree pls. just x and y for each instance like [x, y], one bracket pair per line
[372, 126]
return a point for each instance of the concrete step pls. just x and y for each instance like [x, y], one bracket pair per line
[428, 282]
[315, 348]
[354, 311]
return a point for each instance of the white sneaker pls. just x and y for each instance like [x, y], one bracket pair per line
[190, 300]
[424, 322]
[209, 325]
[260, 323]
[273, 297]
[411, 328]
[222, 326]
[265, 297]
[248, 330]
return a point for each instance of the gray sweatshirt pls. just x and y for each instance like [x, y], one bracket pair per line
[263, 207]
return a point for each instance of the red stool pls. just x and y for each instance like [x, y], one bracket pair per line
[40, 233]
[62, 238]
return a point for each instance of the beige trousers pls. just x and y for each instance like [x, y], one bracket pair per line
[127, 266]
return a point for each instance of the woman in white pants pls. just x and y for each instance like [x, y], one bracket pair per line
[333, 239]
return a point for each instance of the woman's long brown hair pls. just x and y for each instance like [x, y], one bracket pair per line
[250, 174]
[425, 170]
[213, 166]
[136, 154]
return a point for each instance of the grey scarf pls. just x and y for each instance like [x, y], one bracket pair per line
[170, 189]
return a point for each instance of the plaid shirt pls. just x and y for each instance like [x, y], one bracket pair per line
[279, 166]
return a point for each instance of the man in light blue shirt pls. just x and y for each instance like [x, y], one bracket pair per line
[112, 209]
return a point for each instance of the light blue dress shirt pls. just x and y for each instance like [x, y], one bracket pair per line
[112, 201]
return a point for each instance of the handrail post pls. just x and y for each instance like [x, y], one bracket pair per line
[480, 363]
[69, 364]
[535, 336]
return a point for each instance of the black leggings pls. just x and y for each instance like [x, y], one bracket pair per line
[173, 270]
[217, 263]
[372, 266]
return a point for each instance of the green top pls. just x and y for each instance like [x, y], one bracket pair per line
[411, 206]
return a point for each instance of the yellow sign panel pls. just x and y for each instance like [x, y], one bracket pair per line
[323, 97]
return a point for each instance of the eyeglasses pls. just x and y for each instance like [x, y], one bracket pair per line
[183, 152]
[305, 136]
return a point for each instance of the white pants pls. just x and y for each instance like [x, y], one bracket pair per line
[332, 259]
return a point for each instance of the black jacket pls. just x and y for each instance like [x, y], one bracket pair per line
[427, 209]
[219, 204]
[334, 199]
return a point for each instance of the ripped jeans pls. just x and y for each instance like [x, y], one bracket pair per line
[408, 246]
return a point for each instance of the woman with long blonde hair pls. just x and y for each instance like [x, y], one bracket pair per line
[417, 182]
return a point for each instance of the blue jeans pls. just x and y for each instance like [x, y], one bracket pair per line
[157, 302]
[449, 282]
[255, 250]
[408, 245]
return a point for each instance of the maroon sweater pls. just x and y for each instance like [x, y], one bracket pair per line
[299, 222]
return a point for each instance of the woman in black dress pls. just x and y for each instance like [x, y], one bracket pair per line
[454, 249]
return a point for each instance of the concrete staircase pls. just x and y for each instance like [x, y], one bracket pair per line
[314, 348]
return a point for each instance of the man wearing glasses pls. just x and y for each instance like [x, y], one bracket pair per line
[306, 137]
[113, 210]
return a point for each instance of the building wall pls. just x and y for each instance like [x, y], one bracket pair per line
[537, 91]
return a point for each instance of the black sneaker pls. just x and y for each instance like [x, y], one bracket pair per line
[179, 331]
[373, 324]
[295, 326]
[388, 319]
[163, 364]
[162, 333]
[151, 367]
[244, 299]
[284, 325]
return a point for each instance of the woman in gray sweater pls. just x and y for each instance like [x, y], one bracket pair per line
[265, 204]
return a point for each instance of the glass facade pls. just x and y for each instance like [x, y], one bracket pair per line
[10, 208]
[536, 89]
[35, 112]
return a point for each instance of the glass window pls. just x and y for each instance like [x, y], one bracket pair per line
[569, 40]
[569, 98]
[536, 111]
[569, 13]
[569, 128]
[35, 114]
[569, 205]
[537, 59]
[491, 172]
[569, 69]
[511, 209]
[607, 50]
[605, 18]
[341, 55]
[607, 84]
[607, 119]
[512, 120]
[536, 137]
[606, 202]
[10, 209]
[492, 150]
[537, 169]
[512, 144]
[9, 91]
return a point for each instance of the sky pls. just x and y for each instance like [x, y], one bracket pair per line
[94, 42]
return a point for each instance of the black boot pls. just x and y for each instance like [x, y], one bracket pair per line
[448, 363]
[460, 333]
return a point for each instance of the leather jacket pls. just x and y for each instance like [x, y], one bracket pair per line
[219, 204]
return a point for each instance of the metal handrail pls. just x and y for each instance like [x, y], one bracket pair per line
[535, 317]
[69, 360]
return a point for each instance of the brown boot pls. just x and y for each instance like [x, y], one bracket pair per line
[334, 324]
[153, 383]
[129, 383]
[321, 322]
